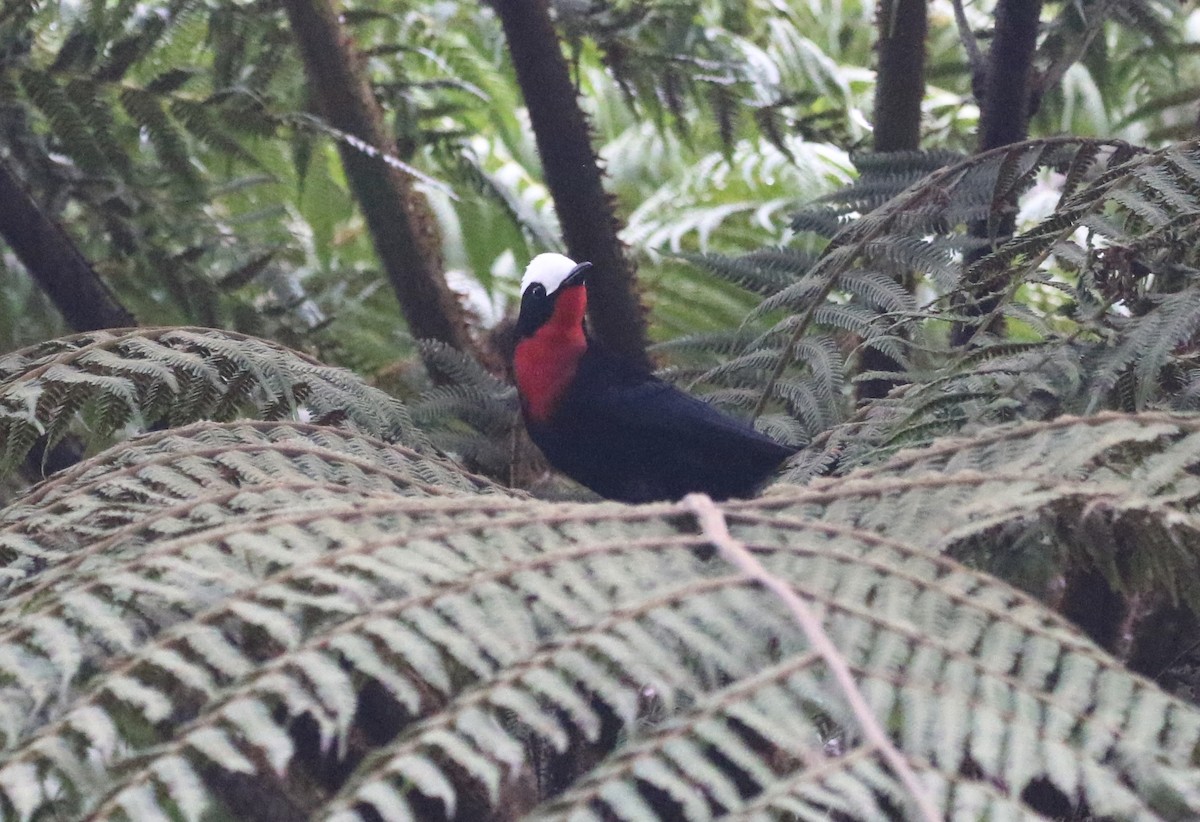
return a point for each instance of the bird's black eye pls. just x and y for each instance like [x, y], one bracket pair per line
[536, 308]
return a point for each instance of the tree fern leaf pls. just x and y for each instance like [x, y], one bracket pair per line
[93, 105]
[825, 222]
[1083, 165]
[1143, 207]
[1162, 185]
[795, 296]
[196, 595]
[1185, 159]
[127, 50]
[253, 722]
[878, 291]
[906, 254]
[805, 405]
[196, 119]
[1016, 171]
[184, 671]
[91, 609]
[559, 691]
[66, 122]
[390, 801]
[142, 802]
[145, 109]
[1149, 345]
[150, 703]
[235, 373]
[713, 342]
[763, 272]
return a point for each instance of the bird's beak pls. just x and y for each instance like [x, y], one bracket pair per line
[577, 276]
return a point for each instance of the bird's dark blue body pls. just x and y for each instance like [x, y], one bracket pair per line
[613, 427]
[631, 437]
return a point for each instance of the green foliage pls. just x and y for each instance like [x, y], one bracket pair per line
[99, 383]
[1099, 297]
[181, 141]
[470, 414]
[1117, 69]
[178, 141]
[263, 618]
[114, 117]
[271, 618]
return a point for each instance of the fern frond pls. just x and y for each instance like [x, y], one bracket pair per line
[94, 105]
[471, 414]
[708, 344]
[145, 376]
[1120, 242]
[1149, 345]
[1113, 493]
[253, 599]
[145, 109]
[884, 176]
[877, 291]
[198, 120]
[69, 124]
[763, 272]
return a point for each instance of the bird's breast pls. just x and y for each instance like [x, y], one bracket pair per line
[545, 366]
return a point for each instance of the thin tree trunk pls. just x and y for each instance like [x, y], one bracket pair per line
[899, 90]
[67, 277]
[55, 263]
[1005, 111]
[900, 81]
[403, 227]
[1008, 88]
[573, 175]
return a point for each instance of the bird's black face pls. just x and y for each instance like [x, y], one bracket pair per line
[536, 308]
[537, 305]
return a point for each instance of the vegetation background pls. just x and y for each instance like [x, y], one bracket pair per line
[257, 276]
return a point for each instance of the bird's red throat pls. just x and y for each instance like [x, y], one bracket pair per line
[545, 363]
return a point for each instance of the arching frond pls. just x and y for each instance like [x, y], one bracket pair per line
[139, 378]
[472, 414]
[327, 620]
[1098, 295]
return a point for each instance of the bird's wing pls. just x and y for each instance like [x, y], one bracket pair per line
[639, 403]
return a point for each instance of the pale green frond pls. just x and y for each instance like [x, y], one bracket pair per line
[138, 378]
[259, 593]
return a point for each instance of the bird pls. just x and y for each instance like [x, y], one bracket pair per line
[606, 421]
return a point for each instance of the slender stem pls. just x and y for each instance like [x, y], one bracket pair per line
[967, 37]
[712, 523]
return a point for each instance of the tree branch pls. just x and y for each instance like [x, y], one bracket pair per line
[55, 263]
[573, 175]
[403, 228]
[970, 45]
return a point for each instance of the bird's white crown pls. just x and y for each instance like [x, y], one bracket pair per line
[548, 269]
